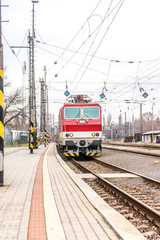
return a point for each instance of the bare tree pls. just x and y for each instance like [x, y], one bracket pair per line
[14, 113]
[109, 119]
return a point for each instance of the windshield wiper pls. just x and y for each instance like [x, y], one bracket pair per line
[86, 115]
[77, 116]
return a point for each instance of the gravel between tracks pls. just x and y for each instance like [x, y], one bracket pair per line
[135, 162]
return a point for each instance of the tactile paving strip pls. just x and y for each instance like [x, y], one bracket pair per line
[37, 227]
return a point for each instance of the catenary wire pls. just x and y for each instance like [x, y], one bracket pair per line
[92, 43]
[100, 43]
[75, 35]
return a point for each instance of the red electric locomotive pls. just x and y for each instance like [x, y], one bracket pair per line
[80, 127]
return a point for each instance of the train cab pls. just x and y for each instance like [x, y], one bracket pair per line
[80, 128]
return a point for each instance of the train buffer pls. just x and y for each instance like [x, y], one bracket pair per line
[41, 199]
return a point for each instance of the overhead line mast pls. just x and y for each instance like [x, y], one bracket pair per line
[1, 108]
[32, 93]
[1, 103]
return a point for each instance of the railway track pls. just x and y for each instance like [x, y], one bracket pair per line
[134, 145]
[150, 150]
[138, 202]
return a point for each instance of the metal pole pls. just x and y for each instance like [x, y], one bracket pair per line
[45, 98]
[129, 126]
[1, 107]
[152, 121]
[133, 130]
[40, 104]
[33, 72]
[47, 125]
[34, 115]
[112, 132]
[141, 121]
[125, 126]
[31, 123]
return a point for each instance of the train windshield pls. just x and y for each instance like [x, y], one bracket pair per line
[91, 112]
[72, 113]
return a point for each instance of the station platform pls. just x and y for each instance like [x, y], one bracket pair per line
[42, 198]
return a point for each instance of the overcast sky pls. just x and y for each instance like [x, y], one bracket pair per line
[117, 44]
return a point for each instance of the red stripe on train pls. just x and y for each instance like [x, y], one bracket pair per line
[82, 128]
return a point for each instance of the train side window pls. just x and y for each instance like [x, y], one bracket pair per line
[91, 112]
[72, 113]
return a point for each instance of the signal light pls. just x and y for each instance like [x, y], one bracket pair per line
[67, 134]
[71, 134]
[93, 134]
[97, 134]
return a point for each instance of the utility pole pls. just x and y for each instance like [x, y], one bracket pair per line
[43, 106]
[1, 107]
[32, 93]
[31, 123]
[133, 130]
[141, 120]
[46, 98]
[152, 121]
[111, 131]
[33, 70]
[125, 126]
[23, 93]
[47, 106]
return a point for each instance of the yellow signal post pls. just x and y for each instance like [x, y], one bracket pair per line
[31, 136]
[45, 137]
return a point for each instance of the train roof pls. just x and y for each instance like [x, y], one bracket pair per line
[80, 104]
[79, 100]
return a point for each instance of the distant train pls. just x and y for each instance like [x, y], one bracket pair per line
[80, 127]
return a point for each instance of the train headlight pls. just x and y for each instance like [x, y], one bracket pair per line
[97, 134]
[93, 134]
[71, 135]
[67, 134]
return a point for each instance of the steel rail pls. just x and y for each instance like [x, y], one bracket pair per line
[152, 214]
[133, 145]
[132, 151]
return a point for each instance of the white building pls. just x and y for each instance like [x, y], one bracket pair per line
[151, 137]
